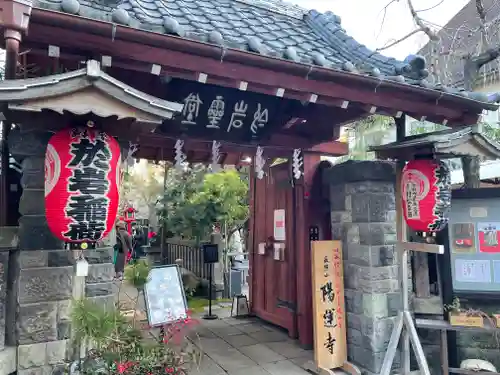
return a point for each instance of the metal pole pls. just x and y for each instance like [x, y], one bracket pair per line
[209, 315]
[211, 278]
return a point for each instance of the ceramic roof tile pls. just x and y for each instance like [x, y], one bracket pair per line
[270, 27]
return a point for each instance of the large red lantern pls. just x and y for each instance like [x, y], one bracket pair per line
[426, 194]
[82, 174]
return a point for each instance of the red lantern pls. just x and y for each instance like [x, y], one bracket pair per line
[129, 217]
[82, 174]
[426, 193]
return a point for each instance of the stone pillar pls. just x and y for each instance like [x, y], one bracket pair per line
[363, 217]
[45, 271]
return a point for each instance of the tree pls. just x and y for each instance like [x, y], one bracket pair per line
[474, 46]
[371, 131]
[143, 187]
[377, 130]
[195, 200]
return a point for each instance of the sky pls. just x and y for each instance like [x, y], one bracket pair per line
[362, 19]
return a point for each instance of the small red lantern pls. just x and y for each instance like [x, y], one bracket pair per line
[82, 174]
[129, 217]
[426, 194]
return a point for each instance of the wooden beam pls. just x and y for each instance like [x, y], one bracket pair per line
[277, 146]
[37, 49]
[71, 39]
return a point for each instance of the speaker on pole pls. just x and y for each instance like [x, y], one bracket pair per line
[210, 257]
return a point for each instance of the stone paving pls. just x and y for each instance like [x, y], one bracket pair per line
[247, 347]
[235, 346]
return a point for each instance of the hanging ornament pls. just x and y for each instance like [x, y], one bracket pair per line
[259, 163]
[128, 160]
[297, 164]
[180, 156]
[426, 194]
[215, 166]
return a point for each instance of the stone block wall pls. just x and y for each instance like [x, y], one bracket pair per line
[99, 282]
[363, 217]
[45, 279]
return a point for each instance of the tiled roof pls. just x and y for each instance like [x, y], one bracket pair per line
[269, 27]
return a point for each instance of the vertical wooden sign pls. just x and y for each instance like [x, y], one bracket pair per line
[330, 343]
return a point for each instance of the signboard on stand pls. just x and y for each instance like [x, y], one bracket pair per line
[165, 298]
[330, 346]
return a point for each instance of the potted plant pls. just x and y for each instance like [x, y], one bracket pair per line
[459, 316]
[122, 346]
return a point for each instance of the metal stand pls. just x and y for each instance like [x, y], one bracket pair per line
[404, 327]
[210, 316]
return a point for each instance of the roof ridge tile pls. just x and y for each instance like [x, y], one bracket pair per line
[277, 29]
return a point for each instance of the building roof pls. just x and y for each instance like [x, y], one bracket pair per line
[451, 143]
[67, 91]
[268, 27]
[461, 36]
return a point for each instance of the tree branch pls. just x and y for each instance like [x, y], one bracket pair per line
[482, 23]
[420, 23]
[393, 43]
[488, 54]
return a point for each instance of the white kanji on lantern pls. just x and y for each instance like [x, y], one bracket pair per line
[191, 110]
[215, 112]
[259, 163]
[180, 156]
[260, 118]
[215, 166]
[297, 163]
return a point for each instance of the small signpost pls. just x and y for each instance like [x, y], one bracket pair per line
[330, 342]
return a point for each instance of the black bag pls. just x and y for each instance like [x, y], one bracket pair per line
[119, 244]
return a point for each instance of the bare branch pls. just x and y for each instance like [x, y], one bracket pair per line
[420, 23]
[393, 43]
[384, 10]
[430, 8]
[486, 57]
[482, 23]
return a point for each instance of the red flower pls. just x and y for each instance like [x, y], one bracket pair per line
[122, 367]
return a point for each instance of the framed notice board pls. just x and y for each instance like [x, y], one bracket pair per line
[474, 241]
[165, 298]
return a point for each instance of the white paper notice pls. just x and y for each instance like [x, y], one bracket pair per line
[279, 225]
[473, 271]
[476, 212]
[262, 248]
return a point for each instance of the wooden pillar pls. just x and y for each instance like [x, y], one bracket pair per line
[14, 19]
[401, 231]
[303, 256]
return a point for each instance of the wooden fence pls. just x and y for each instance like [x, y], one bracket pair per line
[190, 254]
